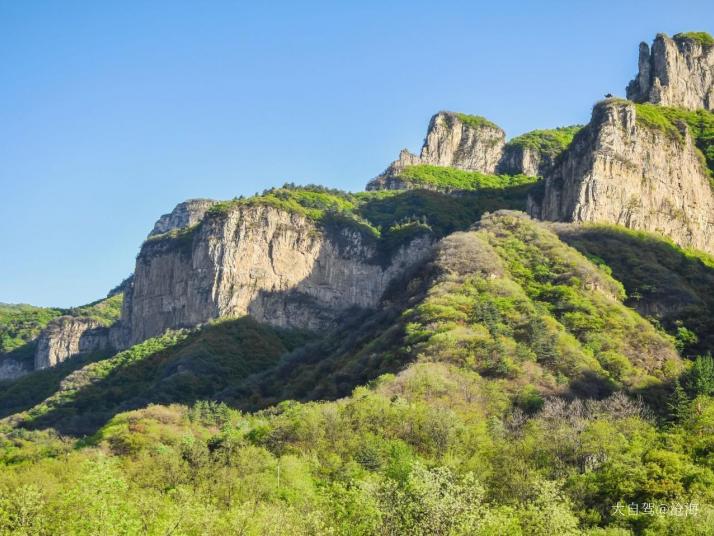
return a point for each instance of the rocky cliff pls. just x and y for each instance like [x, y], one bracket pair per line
[676, 72]
[523, 159]
[621, 169]
[68, 336]
[11, 369]
[536, 152]
[185, 214]
[457, 140]
[280, 267]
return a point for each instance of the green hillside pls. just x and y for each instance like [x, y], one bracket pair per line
[505, 388]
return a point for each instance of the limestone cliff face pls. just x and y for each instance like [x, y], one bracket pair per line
[277, 266]
[525, 160]
[675, 72]
[454, 140]
[67, 336]
[185, 214]
[11, 369]
[619, 170]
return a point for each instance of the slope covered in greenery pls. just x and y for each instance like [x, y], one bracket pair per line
[448, 178]
[663, 281]
[465, 423]
[516, 305]
[548, 142]
[181, 366]
[20, 324]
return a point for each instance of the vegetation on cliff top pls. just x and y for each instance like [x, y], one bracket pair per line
[703, 38]
[106, 311]
[449, 178]
[475, 121]
[668, 120]
[389, 218]
[20, 325]
[548, 142]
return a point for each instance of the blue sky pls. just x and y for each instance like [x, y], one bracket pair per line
[113, 112]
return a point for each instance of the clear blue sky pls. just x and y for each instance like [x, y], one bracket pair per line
[113, 112]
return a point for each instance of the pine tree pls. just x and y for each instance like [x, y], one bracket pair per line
[678, 403]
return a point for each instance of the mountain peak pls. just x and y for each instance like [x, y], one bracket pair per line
[676, 71]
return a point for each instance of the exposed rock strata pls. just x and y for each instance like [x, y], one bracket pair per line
[619, 171]
[454, 142]
[68, 336]
[519, 159]
[277, 266]
[185, 214]
[675, 72]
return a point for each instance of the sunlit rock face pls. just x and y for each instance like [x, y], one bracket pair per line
[619, 171]
[675, 72]
[452, 140]
[279, 267]
[68, 336]
[185, 214]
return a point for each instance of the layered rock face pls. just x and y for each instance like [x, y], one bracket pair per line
[185, 214]
[68, 336]
[277, 266]
[619, 170]
[454, 140]
[526, 160]
[675, 72]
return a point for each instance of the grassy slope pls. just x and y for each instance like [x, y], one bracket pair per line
[20, 324]
[548, 142]
[541, 326]
[508, 315]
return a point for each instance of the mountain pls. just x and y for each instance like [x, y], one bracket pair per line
[676, 72]
[496, 337]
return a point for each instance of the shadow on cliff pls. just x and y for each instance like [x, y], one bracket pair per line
[251, 365]
[444, 213]
[240, 361]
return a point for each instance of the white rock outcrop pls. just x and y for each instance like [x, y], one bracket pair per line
[453, 140]
[185, 214]
[66, 337]
[279, 267]
[619, 170]
[675, 72]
